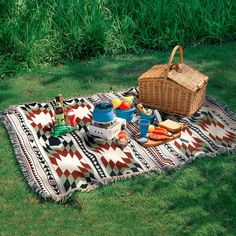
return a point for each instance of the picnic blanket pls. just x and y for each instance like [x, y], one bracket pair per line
[56, 166]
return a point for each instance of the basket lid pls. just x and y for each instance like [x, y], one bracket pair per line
[182, 74]
[156, 71]
[187, 76]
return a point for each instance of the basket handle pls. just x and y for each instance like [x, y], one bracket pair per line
[169, 65]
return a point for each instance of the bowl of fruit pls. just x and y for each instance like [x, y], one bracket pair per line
[124, 107]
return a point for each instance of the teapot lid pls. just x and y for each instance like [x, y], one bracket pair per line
[103, 105]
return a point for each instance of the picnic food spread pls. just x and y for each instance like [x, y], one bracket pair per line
[109, 117]
[109, 122]
[170, 125]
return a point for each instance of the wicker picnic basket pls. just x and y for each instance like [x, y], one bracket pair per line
[173, 88]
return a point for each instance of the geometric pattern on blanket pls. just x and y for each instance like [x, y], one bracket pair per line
[56, 166]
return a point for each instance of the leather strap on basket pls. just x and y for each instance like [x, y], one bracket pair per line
[169, 65]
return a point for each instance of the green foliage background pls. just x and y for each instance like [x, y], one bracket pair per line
[34, 32]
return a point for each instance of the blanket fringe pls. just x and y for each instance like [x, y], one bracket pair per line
[221, 151]
[230, 113]
[64, 197]
[20, 156]
[112, 179]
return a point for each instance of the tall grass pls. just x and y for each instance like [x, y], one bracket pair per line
[33, 32]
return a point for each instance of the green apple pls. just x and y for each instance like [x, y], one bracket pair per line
[129, 99]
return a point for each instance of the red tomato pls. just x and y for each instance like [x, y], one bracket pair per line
[125, 105]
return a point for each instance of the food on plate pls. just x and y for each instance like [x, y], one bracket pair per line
[161, 130]
[151, 128]
[171, 126]
[158, 137]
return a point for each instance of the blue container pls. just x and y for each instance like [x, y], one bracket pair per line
[143, 127]
[128, 114]
[147, 117]
[103, 112]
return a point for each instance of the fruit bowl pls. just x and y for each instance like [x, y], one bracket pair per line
[127, 114]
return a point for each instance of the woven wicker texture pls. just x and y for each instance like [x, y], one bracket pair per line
[188, 77]
[173, 88]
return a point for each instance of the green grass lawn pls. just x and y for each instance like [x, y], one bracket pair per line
[198, 199]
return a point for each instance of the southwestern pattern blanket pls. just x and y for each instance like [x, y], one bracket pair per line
[56, 166]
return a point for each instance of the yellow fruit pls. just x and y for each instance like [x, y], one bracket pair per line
[116, 102]
[129, 99]
[151, 128]
[149, 112]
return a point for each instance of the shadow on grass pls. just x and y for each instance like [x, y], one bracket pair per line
[202, 196]
[116, 71]
[6, 94]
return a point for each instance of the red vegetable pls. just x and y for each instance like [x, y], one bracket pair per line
[160, 128]
[158, 131]
[157, 137]
[125, 105]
